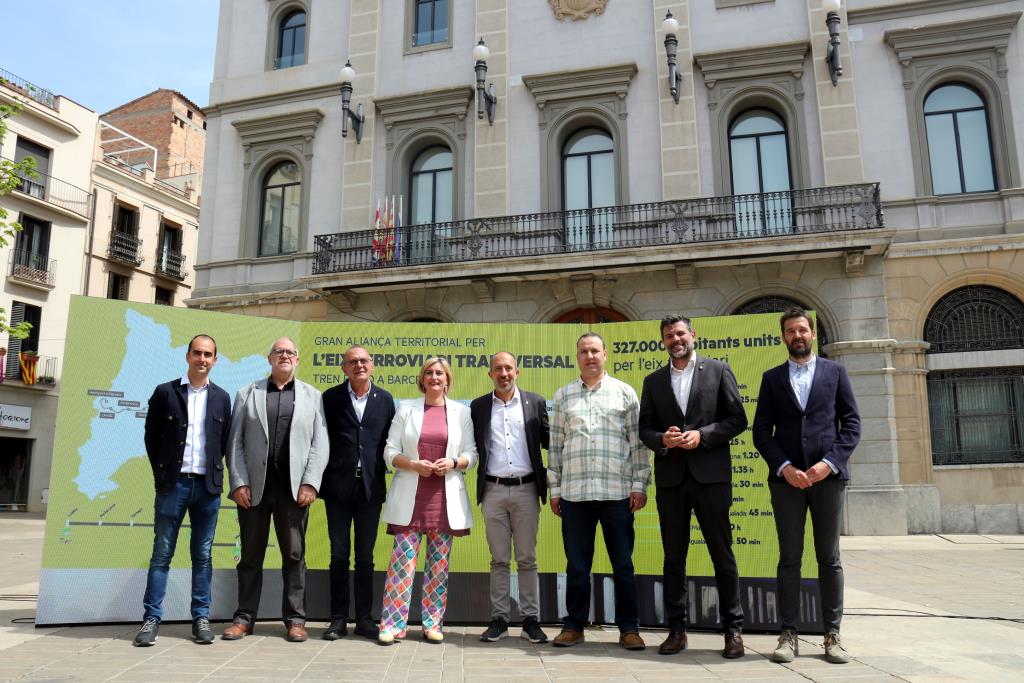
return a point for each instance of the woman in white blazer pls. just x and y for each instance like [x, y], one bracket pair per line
[430, 446]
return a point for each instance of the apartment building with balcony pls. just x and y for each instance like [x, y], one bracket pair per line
[601, 186]
[92, 224]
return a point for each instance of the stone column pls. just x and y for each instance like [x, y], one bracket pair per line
[357, 169]
[490, 164]
[680, 159]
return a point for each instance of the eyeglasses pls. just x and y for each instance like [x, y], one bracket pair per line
[287, 353]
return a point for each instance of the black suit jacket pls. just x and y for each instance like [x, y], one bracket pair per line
[829, 427]
[355, 443]
[535, 424]
[714, 408]
[167, 428]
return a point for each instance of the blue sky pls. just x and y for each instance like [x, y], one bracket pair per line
[103, 53]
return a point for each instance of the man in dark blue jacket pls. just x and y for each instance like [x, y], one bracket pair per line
[186, 436]
[358, 415]
[806, 427]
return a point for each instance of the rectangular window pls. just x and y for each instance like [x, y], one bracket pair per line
[22, 312]
[977, 416]
[164, 297]
[126, 219]
[26, 149]
[118, 288]
[429, 23]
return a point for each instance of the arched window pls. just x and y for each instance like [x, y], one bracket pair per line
[430, 205]
[588, 185]
[291, 40]
[976, 413]
[281, 210]
[759, 162]
[959, 143]
[779, 304]
[589, 316]
[975, 318]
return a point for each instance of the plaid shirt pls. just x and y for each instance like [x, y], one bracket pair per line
[596, 452]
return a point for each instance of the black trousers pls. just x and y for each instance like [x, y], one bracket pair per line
[711, 504]
[290, 528]
[350, 514]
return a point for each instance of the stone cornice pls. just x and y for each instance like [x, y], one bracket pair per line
[273, 99]
[968, 35]
[563, 85]
[296, 124]
[914, 8]
[425, 106]
[757, 61]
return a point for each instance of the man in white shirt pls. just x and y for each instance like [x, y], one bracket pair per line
[511, 426]
[186, 437]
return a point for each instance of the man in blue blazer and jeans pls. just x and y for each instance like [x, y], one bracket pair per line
[186, 436]
[806, 427]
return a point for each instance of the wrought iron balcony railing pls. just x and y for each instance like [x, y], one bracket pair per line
[40, 95]
[32, 267]
[54, 191]
[170, 263]
[125, 247]
[685, 221]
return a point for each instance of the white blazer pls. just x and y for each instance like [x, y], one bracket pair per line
[403, 439]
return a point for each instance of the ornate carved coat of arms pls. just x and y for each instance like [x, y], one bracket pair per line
[576, 9]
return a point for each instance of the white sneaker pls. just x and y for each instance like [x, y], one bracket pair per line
[787, 649]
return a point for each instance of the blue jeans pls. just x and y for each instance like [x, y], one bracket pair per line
[202, 506]
[579, 527]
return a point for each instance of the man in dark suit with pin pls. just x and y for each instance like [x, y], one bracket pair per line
[806, 427]
[510, 427]
[186, 437]
[358, 415]
[689, 411]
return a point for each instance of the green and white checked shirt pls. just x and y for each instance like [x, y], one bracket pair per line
[595, 451]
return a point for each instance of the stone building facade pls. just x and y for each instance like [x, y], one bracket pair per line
[601, 188]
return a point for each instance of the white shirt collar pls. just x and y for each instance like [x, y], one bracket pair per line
[515, 397]
[185, 380]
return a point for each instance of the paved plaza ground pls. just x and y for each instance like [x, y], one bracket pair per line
[918, 608]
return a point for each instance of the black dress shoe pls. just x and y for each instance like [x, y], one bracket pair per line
[337, 629]
[367, 628]
[674, 644]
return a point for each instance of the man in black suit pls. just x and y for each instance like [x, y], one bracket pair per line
[511, 426]
[689, 411]
[806, 427]
[358, 417]
[186, 436]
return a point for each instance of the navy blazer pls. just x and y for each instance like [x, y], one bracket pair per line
[714, 408]
[829, 427]
[167, 427]
[535, 424]
[355, 443]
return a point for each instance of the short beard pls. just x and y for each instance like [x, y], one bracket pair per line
[685, 353]
[799, 353]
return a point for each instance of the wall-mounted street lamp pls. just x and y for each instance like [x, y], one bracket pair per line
[348, 74]
[484, 98]
[835, 66]
[675, 80]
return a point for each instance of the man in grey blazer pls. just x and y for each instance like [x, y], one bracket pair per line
[276, 457]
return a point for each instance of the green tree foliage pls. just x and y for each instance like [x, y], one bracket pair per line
[11, 174]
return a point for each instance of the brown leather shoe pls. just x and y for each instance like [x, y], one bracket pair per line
[237, 631]
[568, 638]
[674, 644]
[733, 646]
[296, 633]
[631, 640]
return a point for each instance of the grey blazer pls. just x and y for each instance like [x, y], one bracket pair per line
[248, 442]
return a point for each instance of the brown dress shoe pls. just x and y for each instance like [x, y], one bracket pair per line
[733, 646]
[237, 631]
[674, 644]
[631, 640]
[568, 638]
[296, 633]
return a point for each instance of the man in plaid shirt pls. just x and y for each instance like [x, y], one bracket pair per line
[598, 471]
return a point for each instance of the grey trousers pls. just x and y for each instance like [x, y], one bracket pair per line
[511, 515]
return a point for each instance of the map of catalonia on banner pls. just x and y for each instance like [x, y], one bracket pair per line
[99, 528]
